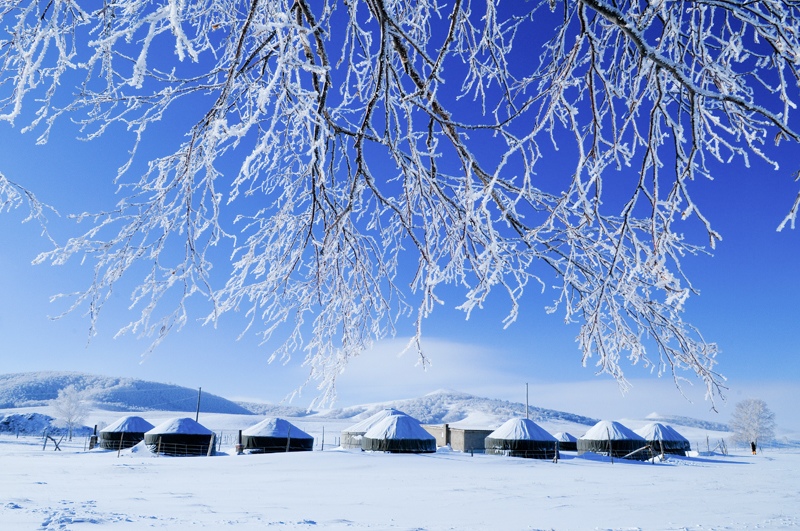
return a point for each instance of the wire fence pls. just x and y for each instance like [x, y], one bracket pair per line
[179, 449]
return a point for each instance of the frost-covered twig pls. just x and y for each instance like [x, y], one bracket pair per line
[382, 149]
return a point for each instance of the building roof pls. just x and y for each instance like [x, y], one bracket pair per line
[660, 432]
[181, 425]
[563, 436]
[276, 427]
[521, 430]
[129, 424]
[608, 429]
[398, 427]
[366, 424]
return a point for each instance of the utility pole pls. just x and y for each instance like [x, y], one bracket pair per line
[526, 401]
[197, 415]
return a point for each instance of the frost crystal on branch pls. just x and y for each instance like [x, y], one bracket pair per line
[338, 145]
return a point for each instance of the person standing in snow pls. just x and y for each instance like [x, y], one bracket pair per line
[753, 447]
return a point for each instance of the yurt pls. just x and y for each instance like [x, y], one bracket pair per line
[664, 439]
[398, 434]
[179, 436]
[612, 438]
[276, 435]
[351, 437]
[124, 433]
[566, 441]
[521, 438]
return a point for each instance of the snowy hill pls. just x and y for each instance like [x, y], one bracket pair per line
[32, 389]
[274, 410]
[687, 421]
[37, 424]
[454, 407]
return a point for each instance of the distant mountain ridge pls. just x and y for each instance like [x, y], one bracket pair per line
[687, 421]
[30, 389]
[33, 389]
[442, 407]
[275, 410]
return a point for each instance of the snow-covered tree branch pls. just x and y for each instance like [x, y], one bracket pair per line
[338, 145]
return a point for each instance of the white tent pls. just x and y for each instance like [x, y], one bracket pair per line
[566, 441]
[664, 439]
[351, 437]
[612, 438]
[398, 434]
[179, 436]
[124, 433]
[521, 438]
[276, 435]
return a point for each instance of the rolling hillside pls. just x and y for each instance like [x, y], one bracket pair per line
[114, 394]
[35, 389]
[454, 407]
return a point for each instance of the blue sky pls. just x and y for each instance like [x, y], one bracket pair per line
[748, 304]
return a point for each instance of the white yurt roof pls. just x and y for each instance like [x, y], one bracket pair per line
[608, 429]
[183, 425]
[130, 424]
[367, 423]
[398, 427]
[521, 430]
[660, 432]
[276, 427]
[563, 436]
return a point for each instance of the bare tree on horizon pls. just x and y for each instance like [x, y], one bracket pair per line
[70, 407]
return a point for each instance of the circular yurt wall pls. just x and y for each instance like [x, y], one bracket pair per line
[521, 438]
[124, 433]
[566, 442]
[398, 434]
[351, 437]
[613, 439]
[664, 439]
[179, 436]
[273, 435]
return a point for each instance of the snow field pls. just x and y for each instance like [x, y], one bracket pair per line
[352, 490]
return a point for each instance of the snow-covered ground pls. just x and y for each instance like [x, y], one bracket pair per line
[76, 489]
[334, 489]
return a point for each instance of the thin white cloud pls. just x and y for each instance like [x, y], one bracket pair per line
[383, 373]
